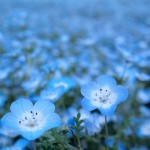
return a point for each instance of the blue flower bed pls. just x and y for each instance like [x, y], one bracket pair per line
[74, 75]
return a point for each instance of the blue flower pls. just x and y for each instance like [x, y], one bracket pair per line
[18, 145]
[143, 95]
[52, 94]
[144, 128]
[56, 88]
[120, 145]
[65, 83]
[104, 95]
[31, 121]
[33, 83]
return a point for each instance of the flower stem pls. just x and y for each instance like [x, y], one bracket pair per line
[79, 144]
[106, 129]
[34, 145]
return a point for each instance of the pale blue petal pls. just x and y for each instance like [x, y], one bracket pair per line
[9, 120]
[108, 111]
[44, 106]
[52, 94]
[21, 106]
[52, 121]
[66, 83]
[32, 135]
[106, 80]
[121, 92]
[87, 89]
[21, 143]
[87, 105]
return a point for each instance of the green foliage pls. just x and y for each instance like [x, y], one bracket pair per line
[55, 139]
[78, 128]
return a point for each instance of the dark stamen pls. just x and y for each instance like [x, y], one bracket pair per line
[26, 118]
[19, 121]
[36, 113]
[100, 89]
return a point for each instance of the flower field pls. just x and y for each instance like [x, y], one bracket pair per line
[74, 75]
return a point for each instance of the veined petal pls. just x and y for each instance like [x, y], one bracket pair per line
[52, 94]
[52, 121]
[88, 89]
[87, 105]
[9, 120]
[21, 106]
[32, 134]
[121, 93]
[106, 80]
[44, 106]
[107, 111]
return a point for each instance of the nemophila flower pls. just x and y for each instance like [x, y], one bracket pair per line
[4, 72]
[31, 121]
[143, 95]
[56, 88]
[33, 83]
[142, 76]
[52, 94]
[145, 111]
[103, 94]
[119, 145]
[143, 129]
[18, 145]
[65, 83]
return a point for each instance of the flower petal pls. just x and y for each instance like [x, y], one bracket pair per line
[87, 105]
[121, 93]
[21, 143]
[21, 106]
[52, 94]
[107, 111]
[9, 120]
[32, 134]
[106, 80]
[53, 120]
[44, 106]
[87, 90]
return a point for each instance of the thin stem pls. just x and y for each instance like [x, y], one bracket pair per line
[74, 138]
[106, 128]
[34, 145]
[79, 144]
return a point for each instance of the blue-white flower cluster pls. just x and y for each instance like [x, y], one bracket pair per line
[53, 57]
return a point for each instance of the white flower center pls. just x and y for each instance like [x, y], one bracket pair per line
[103, 97]
[31, 120]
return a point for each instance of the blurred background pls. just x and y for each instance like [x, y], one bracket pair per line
[43, 40]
